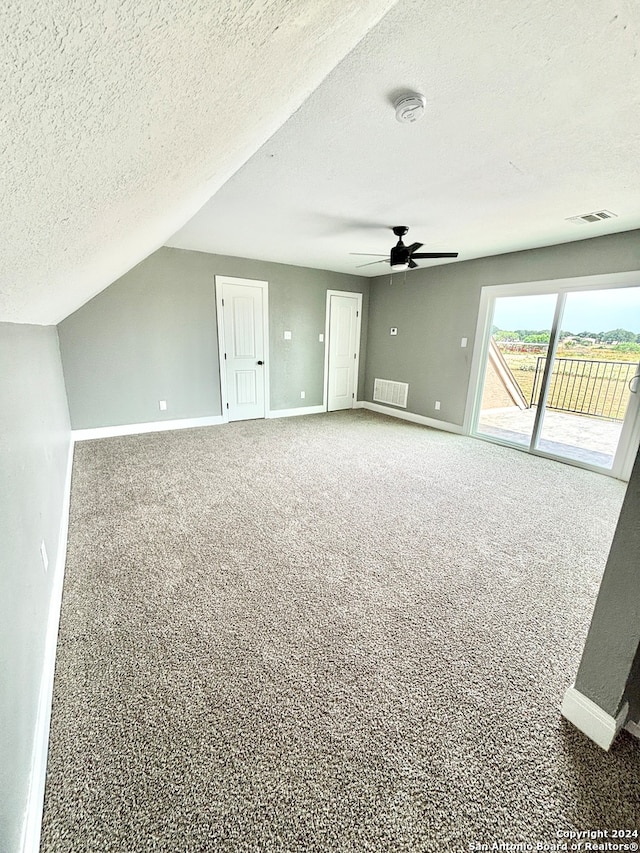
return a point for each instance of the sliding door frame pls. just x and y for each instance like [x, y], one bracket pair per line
[630, 436]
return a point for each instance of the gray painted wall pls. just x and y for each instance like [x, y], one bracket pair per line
[434, 308]
[34, 446]
[608, 672]
[152, 335]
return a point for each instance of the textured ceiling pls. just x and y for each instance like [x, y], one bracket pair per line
[533, 116]
[120, 119]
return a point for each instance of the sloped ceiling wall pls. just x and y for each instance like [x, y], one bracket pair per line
[121, 119]
[531, 118]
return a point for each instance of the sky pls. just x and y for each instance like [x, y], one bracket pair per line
[588, 311]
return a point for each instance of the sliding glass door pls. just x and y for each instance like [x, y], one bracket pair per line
[518, 337]
[559, 374]
[589, 387]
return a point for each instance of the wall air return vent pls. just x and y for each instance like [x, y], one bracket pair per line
[392, 393]
[596, 216]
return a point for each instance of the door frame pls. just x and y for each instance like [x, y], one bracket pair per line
[221, 280]
[625, 456]
[327, 326]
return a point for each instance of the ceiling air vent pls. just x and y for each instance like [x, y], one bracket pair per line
[596, 216]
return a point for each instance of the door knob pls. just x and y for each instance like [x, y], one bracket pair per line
[261, 362]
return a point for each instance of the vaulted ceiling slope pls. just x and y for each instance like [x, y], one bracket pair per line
[120, 120]
[532, 118]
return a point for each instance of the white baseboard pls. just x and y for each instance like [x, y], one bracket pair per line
[595, 723]
[292, 413]
[35, 801]
[633, 728]
[409, 416]
[151, 426]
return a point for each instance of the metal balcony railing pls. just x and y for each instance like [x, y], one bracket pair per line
[597, 388]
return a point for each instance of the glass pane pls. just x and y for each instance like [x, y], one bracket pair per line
[512, 382]
[597, 355]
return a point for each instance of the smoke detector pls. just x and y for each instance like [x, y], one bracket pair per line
[410, 107]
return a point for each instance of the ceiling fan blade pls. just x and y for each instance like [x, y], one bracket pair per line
[435, 255]
[385, 261]
[414, 247]
[412, 264]
[371, 254]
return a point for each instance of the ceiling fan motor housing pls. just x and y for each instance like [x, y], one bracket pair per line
[399, 255]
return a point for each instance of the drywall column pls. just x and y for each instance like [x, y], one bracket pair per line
[607, 689]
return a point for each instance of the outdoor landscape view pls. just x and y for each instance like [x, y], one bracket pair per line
[592, 370]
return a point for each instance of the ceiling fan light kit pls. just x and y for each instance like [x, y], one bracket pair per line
[410, 107]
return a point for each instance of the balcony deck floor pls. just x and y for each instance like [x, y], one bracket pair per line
[577, 437]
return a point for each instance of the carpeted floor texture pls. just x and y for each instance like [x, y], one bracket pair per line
[337, 632]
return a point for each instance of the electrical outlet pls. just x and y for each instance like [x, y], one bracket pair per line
[163, 405]
[437, 405]
[302, 393]
[287, 336]
[43, 554]
[463, 342]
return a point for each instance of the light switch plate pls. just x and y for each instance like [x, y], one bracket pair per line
[463, 342]
[321, 338]
[393, 331]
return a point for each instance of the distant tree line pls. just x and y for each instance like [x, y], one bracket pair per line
[542, 336]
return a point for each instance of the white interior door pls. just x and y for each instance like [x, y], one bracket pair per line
[343, 349]
[241, 325]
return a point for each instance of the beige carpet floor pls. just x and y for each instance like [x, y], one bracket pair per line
[339, 632]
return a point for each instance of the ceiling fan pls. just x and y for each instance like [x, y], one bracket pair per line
[404, 257]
